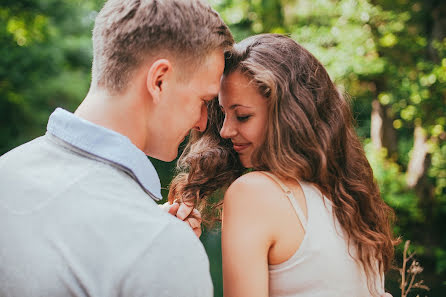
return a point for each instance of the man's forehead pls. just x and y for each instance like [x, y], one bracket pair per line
[213, 77]
[211, 90]
[214, 62]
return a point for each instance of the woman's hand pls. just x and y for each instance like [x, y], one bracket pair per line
[185, 213]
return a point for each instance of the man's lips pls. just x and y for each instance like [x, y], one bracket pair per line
[238, 147]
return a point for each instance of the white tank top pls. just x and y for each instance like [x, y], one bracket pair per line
[322, 266]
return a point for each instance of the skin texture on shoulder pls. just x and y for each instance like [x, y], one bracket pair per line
[246, 239]
[258, 228]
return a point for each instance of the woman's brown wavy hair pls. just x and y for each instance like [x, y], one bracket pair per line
[310, 137]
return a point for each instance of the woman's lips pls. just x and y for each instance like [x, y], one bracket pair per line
[238, 147]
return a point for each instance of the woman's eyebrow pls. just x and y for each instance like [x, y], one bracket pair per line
[233, 106]
[239, 105]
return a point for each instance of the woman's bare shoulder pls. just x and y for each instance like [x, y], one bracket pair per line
[247, 209]
[255, 182]
[253, 188]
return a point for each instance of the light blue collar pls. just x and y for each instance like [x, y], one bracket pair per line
[107, 145]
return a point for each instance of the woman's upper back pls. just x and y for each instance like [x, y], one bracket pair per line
[308, 252]
[322, 265]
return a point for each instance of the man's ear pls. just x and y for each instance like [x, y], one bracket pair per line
[157, 77]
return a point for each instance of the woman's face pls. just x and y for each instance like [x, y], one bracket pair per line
[246, 115]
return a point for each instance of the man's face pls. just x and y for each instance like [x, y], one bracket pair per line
[187, 102]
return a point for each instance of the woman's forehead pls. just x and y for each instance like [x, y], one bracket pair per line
[238, 89]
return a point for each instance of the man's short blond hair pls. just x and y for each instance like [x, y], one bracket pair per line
[127, 32]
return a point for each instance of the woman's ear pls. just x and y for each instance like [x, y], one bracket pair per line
[157, 77]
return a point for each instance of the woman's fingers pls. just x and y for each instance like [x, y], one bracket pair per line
[170, 208]
[197, 232]
[193, 223]
[174, 209]
[196, 214]
[184, 211]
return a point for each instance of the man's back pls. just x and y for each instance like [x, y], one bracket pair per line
[72, 224]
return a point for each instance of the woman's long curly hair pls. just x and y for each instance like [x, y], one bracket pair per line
[310, 137]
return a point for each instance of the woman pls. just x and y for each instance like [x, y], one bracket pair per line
[307, 219]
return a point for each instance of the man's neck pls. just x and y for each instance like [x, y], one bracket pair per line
[114, 112]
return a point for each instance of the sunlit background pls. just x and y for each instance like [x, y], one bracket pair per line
[387, 55]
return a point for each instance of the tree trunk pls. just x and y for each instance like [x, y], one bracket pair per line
[376, 125]
[417, 164]
[382, 132]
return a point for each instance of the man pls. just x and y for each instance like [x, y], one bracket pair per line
[77, 209]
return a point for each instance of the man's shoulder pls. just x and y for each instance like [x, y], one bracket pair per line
[20, 161]
[57, 176]
[36, 152]
[23, 149]
[48, 158]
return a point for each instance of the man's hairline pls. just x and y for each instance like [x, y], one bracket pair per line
[181, 68]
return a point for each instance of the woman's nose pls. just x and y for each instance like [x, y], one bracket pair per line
[227, 131]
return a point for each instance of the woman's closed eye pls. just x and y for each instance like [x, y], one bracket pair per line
[243, 118]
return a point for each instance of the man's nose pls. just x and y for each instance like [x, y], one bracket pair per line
[227, 131]
[202, 122]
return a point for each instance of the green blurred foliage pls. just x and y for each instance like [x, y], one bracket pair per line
[45, 61]
[389, 52]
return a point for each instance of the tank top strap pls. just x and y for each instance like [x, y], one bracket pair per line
[291, 197]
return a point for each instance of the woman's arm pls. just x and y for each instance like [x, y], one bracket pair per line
[247, 236]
